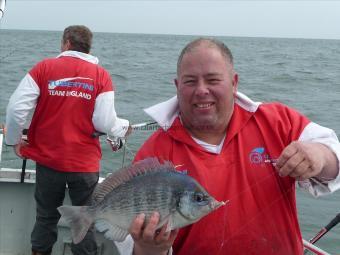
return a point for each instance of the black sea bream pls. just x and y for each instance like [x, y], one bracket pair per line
[143, 187]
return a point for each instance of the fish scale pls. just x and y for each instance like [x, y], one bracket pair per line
[134, 197]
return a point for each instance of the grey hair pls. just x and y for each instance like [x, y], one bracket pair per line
[209, 42]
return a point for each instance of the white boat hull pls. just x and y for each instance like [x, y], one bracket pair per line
[17, 217]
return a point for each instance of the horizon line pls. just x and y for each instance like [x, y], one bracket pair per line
[197, 35]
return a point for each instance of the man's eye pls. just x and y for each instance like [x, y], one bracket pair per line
[188, 82]
[214, 81]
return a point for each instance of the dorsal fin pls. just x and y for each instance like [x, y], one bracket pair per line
[127, 173]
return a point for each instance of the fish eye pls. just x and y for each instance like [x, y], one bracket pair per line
[199, 197]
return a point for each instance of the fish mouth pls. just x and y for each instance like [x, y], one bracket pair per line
[216, 204]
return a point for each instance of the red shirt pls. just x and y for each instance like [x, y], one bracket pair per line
[60, 132]
[261, 215]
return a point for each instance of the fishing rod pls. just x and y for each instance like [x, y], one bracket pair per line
[117, 143]
[324, 230]
[312, 249]
[142, 125]
[24, 160]
[137, 126]
[2, 8]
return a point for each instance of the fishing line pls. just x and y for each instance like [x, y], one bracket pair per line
[249, 220]
[123, 161]
[127, 149]
[132, 154]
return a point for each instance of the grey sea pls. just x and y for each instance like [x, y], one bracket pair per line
[301, 73]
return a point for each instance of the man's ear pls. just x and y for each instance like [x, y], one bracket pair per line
[176, 82]
[235, 81]
[66, 46]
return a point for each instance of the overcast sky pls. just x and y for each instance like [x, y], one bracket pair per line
[297, 19]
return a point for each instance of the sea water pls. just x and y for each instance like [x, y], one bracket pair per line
[304, 74]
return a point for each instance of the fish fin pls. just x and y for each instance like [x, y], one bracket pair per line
[127, 173]
[79, 218]
[102, 225]
[170, 224]
[111, 232]
[168, 220]
[116, 234]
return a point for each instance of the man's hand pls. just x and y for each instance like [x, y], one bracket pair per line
[303, 160]
[129, 131]
[17, 148]
[149, 241]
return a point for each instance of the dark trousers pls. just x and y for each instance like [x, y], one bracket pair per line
[49, 194]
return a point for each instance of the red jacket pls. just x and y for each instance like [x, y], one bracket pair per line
[261, 216]
[60, 132]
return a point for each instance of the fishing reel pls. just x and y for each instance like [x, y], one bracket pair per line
[116, 143]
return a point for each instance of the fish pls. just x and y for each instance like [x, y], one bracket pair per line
[143, 187]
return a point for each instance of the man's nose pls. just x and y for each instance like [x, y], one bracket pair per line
[202, 88]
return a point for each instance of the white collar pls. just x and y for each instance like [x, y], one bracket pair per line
[166, 112]
[81, 55]
[216, 149]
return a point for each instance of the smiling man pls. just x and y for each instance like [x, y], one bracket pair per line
[205, 90]
[229, 144]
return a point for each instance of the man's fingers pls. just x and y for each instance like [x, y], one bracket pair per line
[300, 160]
[173, 235]
[148, 235]
[301, 169]
[286, 154]
[150, 229]
[290, 165]
[16, 149]
[136, 227]
[163, 235]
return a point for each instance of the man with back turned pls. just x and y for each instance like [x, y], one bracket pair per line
[247, 153]
[72, 97]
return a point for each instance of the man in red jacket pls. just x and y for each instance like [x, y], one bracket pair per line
[248, 153]
[72, 97]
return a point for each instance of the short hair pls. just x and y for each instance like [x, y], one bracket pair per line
[213, 43]
[80, 38]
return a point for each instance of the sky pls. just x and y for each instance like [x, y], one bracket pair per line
[271, 18]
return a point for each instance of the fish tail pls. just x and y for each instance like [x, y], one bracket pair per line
[79, 218]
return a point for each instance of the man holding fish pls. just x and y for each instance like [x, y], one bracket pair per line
[247, 153]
